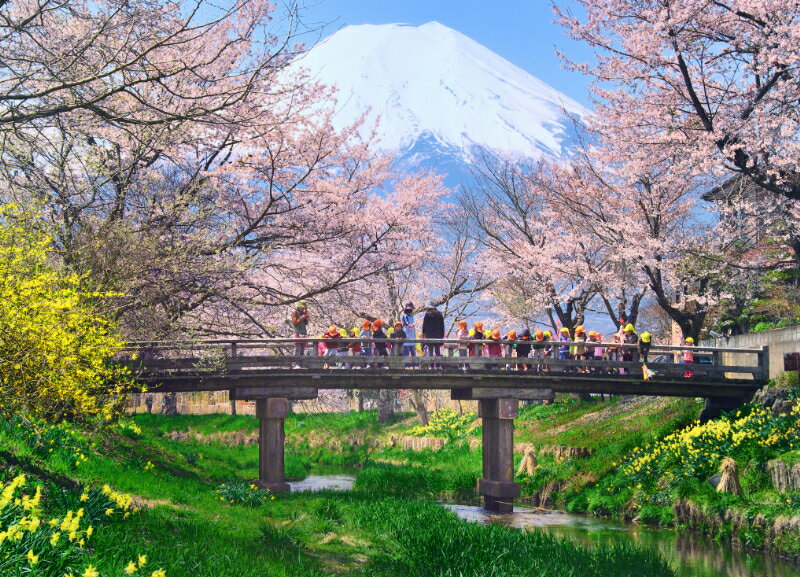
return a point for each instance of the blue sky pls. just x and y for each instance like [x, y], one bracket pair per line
[521, 31]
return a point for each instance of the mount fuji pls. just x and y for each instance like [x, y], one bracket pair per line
[439, 97]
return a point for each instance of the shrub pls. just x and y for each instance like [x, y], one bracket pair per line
[238, 492]
[55, 350]
[446, 423]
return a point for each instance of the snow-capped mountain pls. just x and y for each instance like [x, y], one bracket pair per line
[437, 93]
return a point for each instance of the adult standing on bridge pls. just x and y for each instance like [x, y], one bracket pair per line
[433, 327]
[410, 329]
[300, 320]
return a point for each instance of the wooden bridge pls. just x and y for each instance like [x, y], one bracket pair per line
[265, 371]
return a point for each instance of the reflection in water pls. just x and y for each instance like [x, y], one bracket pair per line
[689, 554]
[323, 482]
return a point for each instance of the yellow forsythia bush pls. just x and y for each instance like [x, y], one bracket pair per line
[55, 350]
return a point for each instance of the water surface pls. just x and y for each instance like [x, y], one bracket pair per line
[691, 555]
[323, 482]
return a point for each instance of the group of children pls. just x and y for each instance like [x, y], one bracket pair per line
[375, 339]
[541, 344]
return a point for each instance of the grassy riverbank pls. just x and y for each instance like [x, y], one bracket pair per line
[194, 513]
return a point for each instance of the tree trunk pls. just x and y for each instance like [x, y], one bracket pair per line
[385, 406]
[418, 402]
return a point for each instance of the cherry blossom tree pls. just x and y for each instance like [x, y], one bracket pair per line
[201, 178]
[135, 63]
[712, 84]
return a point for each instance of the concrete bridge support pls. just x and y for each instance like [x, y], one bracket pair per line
[272, 406]
[271, 435]
[498, 407]
[497, 484]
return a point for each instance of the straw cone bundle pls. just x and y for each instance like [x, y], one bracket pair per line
[729, 483]
[528, 464]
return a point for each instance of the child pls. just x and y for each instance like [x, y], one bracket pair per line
[380, 339]
[462, 334]
[524, 348]
[688, 358]
[579, 351]
[332, 344]
[409, 328]
[510, 347]
[597, 352]
[629, 337]
[366, 338]
[354, 348]
[494, 348]
[398, 339]
[563, 350]
[644, 346]
[547, 336]
[477, 335]
[300, 319]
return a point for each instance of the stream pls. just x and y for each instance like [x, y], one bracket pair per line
[690, 554]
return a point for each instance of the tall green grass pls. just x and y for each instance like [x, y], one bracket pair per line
[184, 527]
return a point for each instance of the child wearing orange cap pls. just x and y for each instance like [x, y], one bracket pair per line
[579, 351]
[509, 347]
[366, 338]
[524, 346]
[495, 347]
[332, 344]
[477, 335]
[398, 338]
[462, 334]
[379, 337]
[539, 348]
[594, 352]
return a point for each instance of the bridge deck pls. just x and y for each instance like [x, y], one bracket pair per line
[246, 366]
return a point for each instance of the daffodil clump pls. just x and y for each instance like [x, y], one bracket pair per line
[752, 432]
[35, 544]
[128, 429]
[240, 492]
[55, 348]
[446, 423]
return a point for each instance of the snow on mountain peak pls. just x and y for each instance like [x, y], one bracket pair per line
[433, 82]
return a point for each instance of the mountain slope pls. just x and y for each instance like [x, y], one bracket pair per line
[430, 83]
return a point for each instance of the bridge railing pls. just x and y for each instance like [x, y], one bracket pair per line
[232, 356]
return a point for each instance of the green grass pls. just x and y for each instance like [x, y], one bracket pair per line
[790, 457]
[185, 527]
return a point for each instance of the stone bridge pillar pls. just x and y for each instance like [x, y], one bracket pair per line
[497, 484]
[271, 414]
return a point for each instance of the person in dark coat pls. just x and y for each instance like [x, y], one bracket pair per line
[433, 327]
[524, 346]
